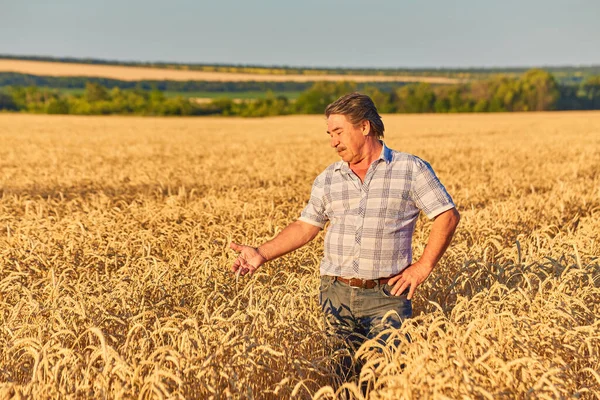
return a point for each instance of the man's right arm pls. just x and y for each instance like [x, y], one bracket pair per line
[292, 237]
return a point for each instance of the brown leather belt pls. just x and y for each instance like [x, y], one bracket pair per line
[362, 283]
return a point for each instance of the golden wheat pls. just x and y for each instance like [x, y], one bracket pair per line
[131, 73]
[114, 260]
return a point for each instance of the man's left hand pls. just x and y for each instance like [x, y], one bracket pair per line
[410, 278]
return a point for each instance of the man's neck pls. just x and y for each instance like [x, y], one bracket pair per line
[373, 151]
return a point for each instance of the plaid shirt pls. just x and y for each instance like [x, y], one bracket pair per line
[372, 222]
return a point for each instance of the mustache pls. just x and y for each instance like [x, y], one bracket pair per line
[338, 149]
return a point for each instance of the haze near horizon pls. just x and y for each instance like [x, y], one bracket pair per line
[378, 34]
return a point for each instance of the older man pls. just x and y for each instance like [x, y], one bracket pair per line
[371, 199]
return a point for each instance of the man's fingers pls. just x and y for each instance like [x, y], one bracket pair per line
[236, 246]
[394, 279]
[240, 262]
[249, 269]
[236, 265]
[399, 289]
[241, 265]
[411, 292]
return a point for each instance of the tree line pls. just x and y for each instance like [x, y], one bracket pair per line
[80, 82]
[536, 90]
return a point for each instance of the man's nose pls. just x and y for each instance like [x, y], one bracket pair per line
[334, 141]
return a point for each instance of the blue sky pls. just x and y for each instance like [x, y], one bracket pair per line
[328, 33]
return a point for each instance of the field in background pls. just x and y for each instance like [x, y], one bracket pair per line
[114, 260]
[127, 73]
[564, 74]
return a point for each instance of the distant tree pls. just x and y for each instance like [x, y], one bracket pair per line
[442, 103]
[458, 97]
[271, 105]
[500, 90]
[480, 95]
[224, 106]
[176, 106]
[7, 102]
[539, 90]
[79, 106]
[590, 90]
[415, 98]
[95, 92]
[382, 100]
[57, 106]
[156, 96]
[316, 99]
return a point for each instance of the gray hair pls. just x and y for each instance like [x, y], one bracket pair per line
[357, 108]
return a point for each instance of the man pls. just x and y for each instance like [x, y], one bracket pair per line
[371, 199]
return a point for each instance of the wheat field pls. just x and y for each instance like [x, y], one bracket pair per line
[114, 260]
[130, 73]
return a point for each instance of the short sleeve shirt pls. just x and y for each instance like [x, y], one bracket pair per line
[371, 223]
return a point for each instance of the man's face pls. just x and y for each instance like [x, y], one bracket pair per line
[347, 139]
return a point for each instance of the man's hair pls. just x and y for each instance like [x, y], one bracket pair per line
[357, 108]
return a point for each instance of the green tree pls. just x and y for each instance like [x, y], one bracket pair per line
[539, 90]
[95, 92]
[382, 100]
[224, 106]
[415, 98]
[316, 99]
[590, 91]
[79, 106]
[270, 106]
[58, 106]
[7, 102]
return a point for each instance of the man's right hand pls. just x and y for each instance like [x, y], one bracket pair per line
[248, 260]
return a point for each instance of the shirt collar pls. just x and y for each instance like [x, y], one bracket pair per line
[385, 155]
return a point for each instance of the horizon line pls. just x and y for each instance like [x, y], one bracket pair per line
[273, 66]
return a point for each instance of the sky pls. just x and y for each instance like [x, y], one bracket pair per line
[309, 33]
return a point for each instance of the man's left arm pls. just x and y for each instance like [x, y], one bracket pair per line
[440, 237]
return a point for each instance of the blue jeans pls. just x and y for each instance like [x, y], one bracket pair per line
[356, 314]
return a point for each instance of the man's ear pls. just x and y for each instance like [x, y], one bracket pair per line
[366, 127]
